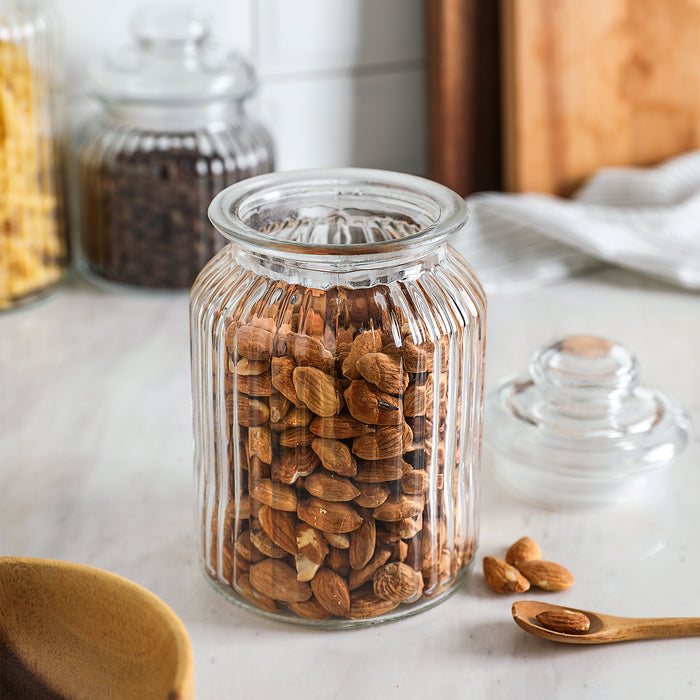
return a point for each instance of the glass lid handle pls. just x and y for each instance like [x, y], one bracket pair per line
[170, 25]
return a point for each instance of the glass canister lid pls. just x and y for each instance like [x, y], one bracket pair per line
[172, 60]
[579, 430]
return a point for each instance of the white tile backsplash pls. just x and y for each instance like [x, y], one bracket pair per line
[328, 35]
[373, 121]
[341, 81]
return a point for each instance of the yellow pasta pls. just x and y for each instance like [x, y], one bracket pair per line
[32, 237]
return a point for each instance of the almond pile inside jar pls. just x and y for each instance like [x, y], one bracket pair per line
[338, 427]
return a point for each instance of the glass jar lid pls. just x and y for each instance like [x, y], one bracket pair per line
[172, 60]
[579, 430]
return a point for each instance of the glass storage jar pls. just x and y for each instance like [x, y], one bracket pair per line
[172, 132]
[33, 231]
[337, 360]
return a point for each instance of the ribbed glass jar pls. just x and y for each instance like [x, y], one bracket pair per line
[337, 364]
[172, 132]
[33, 231]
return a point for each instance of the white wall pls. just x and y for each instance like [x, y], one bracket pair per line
[341, 81]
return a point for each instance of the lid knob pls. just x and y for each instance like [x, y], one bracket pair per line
[170, 25]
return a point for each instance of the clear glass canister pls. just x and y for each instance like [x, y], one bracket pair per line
[33, 232]
[337, 358]
[172, 132]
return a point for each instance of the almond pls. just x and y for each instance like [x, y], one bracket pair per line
[389, 511]
[385, 372]
[365, 604]
[306, 569]
[566, 621]
[257, 469]
[358, 577]
[405, 507]
[387, 441]
[338, 427]
[279, 407]
[406, 527]
[335, 456]
[294, 464]
[504, 578]
[418, 399]
[525, 549]
[381, 470]
[317, 390]
[296, 437]
[281, 372]
[365, 342]
[331, 592]
[310, 351]
[546, 575]
[277, 580]
[310, 609]
[277, 496]
[251, 412]
[415, 482]
[418, 359]
[244, 587]
[397, 581]
[245, 550]
[253, 343]
[328, 516]
[294, 418]
[311, 543]
[337, 560]
[369, 405]
[262, 542]
[371, 495]
[280, 526]
[330, 487]
[254, 384]
[260, 443]
[246, 367]
[362, 544]
[340, 540]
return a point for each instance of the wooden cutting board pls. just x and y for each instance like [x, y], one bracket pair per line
[592, 83]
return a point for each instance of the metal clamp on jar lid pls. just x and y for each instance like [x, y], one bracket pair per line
[580, 431]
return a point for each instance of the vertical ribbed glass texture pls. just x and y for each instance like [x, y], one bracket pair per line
[337, 366]
[33, 232]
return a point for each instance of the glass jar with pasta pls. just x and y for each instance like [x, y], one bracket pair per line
[33, 232]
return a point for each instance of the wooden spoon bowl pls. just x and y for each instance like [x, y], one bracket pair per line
[603, 629]
[69, 631]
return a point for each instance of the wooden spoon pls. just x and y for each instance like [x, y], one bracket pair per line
[603, 628]
[69, 631]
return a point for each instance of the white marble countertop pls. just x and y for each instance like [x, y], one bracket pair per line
[96, 464]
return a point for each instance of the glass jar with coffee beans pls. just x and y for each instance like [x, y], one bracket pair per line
[171, 133]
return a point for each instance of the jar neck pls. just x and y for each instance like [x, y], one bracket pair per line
[174, 118]
[321, 271]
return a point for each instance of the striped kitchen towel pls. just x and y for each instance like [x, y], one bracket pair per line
[643, 219]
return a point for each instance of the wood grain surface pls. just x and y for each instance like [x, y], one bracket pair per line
[464, 124]
[593, 83]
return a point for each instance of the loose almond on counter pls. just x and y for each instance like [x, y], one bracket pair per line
[525, 549]
[546, 575]
[504, 578]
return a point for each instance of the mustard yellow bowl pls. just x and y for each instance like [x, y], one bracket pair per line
[70, 631]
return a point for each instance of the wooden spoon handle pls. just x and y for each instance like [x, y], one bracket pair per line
[656, 627]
